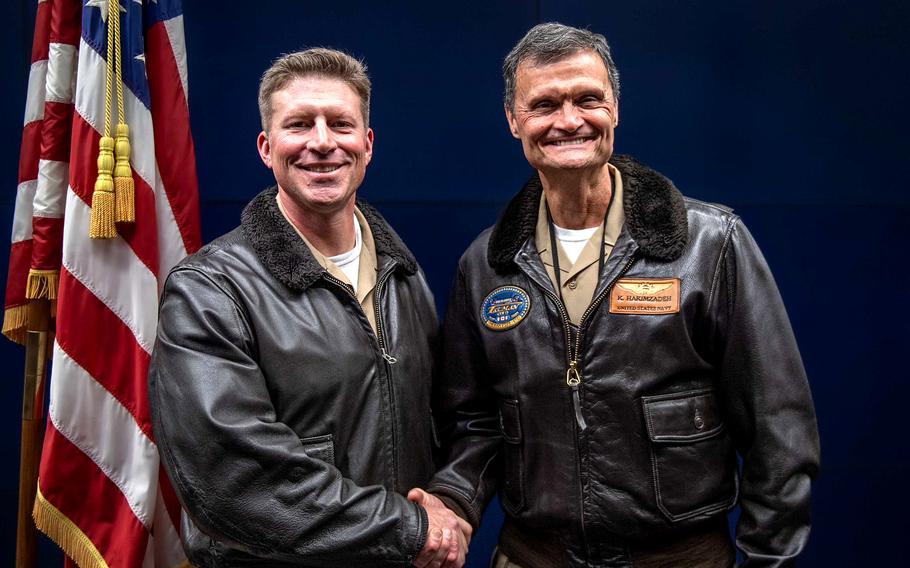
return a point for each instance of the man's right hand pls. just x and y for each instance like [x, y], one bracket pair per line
[448, 535]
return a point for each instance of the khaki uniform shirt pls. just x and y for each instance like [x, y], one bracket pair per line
[579, 280]
[366, 277]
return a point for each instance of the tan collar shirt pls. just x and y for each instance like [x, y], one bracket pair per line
[368, 264]
[579, 279]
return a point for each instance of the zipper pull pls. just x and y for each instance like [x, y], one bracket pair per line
[573, 379]
[389, 359]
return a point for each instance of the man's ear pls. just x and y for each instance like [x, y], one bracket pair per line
[369, 151]
[513, 124]
[265, 150]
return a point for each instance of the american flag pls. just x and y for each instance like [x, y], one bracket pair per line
[102, 495]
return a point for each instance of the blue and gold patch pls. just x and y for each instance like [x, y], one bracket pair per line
[505, 307]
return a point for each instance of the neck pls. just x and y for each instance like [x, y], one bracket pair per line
[577, 200]
[331, 232]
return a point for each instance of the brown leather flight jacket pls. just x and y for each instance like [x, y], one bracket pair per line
[289, 429]
[626, 428]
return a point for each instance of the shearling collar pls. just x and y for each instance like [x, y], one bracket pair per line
[654, 208]
[288, 258]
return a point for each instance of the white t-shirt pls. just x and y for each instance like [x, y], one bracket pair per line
[349, 262]
[573, 241]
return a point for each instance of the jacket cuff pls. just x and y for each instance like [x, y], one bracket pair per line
[454, 506]
[423, 528]
[457, 504]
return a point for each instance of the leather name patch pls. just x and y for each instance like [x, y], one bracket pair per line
[644, 296]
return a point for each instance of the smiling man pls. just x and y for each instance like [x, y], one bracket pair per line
[290, 381]
[611, 346]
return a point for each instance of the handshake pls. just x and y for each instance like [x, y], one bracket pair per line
[448, 536]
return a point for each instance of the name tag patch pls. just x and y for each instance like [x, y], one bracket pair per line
[644, 296]
[505, 307]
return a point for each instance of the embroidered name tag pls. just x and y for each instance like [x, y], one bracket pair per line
[645, 296]
[505, 307]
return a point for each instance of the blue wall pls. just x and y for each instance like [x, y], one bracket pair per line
[794, 113]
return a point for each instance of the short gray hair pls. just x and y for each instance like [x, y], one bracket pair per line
[318, 62]
[550, 42]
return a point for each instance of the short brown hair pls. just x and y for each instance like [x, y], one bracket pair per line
[318, 61]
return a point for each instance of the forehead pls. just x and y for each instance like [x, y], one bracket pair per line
[316, 92]
[578, 70]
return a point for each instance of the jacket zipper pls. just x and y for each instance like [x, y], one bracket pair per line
[390, 359]
[387, 357]
[573, 376]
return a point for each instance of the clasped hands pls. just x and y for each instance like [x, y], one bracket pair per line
[448, 536]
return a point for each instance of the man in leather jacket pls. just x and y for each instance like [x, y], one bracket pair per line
[290, 381]
[611, 347]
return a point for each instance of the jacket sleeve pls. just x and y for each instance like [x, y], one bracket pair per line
[243, 476]
[767, 404]
[467, 411]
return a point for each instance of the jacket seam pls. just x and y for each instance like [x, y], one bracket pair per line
[214, 282]
[715, 279]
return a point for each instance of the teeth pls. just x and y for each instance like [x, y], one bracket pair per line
[569, 142]
[321, 169]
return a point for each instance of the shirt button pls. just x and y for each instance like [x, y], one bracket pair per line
[573, 284]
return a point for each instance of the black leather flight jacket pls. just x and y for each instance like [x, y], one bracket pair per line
[289, 429]
[644, 444]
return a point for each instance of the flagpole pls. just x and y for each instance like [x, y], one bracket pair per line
[36, 350]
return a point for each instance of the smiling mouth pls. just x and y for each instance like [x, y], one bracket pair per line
[321, 169]
[569, 141]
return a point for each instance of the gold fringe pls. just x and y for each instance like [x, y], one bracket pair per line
[101, 224]
[126, 196]
[66, 534]
[123, 177]
[42, 284]
[14, 321]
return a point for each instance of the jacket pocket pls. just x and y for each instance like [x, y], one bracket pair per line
[320, 447]
[692, 457]
[513, 465]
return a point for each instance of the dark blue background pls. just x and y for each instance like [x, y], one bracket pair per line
[794, 113]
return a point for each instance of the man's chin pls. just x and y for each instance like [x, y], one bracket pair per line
[568, 166]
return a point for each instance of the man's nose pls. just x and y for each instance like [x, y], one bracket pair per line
[569, 118]
[322, 140]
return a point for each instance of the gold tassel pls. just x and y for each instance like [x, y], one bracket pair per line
[101, 224]
[123, 177]
[14, 321]
[66, 534]
[42, 284]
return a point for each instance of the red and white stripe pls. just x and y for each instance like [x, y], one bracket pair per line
[100, 469]
[29, 157]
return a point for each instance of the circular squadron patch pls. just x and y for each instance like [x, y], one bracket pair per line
[505, 307]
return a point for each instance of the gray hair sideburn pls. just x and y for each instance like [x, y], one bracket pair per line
[319, 62]
[550, 42]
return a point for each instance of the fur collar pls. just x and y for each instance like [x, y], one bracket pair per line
[655, 215]
[287, 257]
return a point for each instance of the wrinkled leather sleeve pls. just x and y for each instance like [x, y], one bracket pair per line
[768, 405]
[467, 412]
[242, 476]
